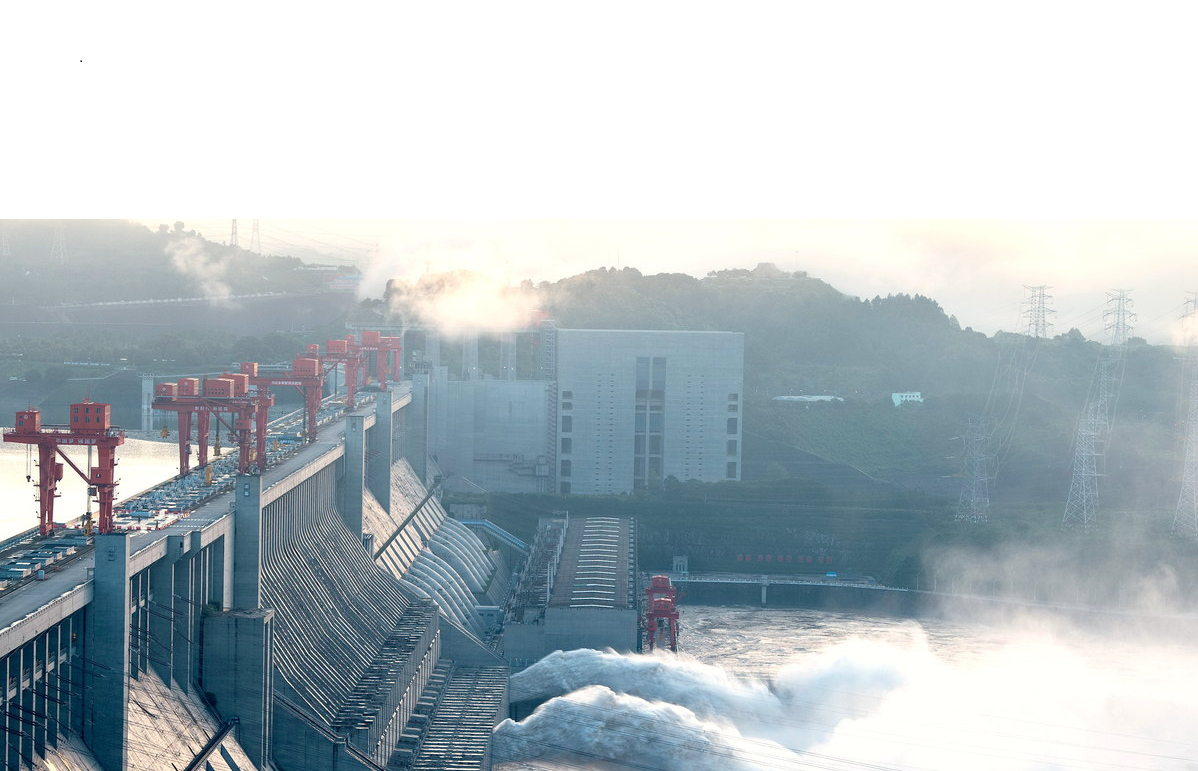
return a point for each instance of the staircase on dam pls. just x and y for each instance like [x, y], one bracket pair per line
[268, 630]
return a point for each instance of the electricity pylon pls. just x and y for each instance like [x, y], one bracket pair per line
[988, 435]
[1036, 311]
[233, 235]
[1094, 428]
[1185, 521]
[974, 502]
[58, 249]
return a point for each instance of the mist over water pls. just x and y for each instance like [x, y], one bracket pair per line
[783, 689]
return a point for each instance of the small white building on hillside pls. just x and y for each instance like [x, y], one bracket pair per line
[908, 396]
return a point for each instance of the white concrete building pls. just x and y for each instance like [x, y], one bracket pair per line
[617, 410]
[637, 406]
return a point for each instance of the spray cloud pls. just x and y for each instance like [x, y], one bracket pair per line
[1028, 703]
[460, 302]
[204, 270]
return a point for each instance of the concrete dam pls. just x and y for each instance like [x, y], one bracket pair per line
[323, 615]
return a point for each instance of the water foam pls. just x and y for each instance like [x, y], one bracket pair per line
[1026, 705]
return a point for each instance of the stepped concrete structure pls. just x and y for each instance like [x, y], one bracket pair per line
[324, 615]
[578, 589]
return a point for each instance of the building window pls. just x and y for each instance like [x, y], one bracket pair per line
[731, 446]
[567, 394]
[567, 405]
[567, 445]
[565, 488]
[732, 425]
[732, 408]
[731, 470]
[567, 467]
[733, 397]
[655, 444]
[568, 423]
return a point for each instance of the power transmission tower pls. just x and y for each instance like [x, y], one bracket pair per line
[1185, 521]
[233, 235]
[987, 436]
[1094, 428]
[974, 502]
[1036, 311]
[255, 241]
[5, 251]
[58, 249]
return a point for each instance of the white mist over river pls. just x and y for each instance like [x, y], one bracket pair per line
[140, 465]
[798, 689]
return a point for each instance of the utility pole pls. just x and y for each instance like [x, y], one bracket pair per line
[1094, 428]
[233, 235]
[1185, 521]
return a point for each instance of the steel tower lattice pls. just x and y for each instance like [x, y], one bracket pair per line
[987, 435]
[1094, 428]
[974, 502]
[1185, 520]
[255, 240]
[58, 250]
[233, 235]
[1036, 311]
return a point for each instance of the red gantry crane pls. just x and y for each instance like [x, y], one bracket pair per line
[661, 614]
[337, 352]
[388, 356]
[227, 394]
[305, 375]
[90, 426]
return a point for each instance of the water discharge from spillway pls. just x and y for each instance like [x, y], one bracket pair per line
[1025, 702]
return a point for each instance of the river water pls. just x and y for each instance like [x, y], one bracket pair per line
[798, 689]
[140, 464]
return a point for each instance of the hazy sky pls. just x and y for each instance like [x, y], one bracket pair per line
[768, 117]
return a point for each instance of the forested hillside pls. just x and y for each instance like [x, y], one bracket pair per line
[802, 336]
[85, 261]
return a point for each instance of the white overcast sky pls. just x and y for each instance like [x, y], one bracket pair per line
[958, 150]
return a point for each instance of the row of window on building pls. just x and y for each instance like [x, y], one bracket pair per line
[805, 559]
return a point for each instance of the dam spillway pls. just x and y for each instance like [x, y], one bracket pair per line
[320, 615]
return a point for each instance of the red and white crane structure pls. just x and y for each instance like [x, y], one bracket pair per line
[90, 426]
[221, 396]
